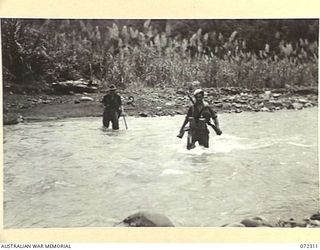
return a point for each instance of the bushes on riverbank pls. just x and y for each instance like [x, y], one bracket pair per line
[54, 50]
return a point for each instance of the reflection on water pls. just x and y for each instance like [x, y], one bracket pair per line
[73, 173]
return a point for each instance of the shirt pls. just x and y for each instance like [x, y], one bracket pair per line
[206, 113]
[112, 102]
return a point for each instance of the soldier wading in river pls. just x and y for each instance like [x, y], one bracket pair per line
[198, 116]
[112, 108]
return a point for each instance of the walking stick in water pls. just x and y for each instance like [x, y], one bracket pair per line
[124, 118]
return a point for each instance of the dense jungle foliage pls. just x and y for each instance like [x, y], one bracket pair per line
[218, 53]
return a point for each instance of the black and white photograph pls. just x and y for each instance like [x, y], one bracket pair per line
[160, 123]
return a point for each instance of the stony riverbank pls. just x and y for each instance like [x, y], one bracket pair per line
[148, 102]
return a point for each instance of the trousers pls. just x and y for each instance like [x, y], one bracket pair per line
[198, 135]
[110, 116]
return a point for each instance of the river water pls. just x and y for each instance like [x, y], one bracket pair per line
[72, 173]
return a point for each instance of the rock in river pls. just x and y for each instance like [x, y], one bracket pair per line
[264, 109]
[146, 219]
[86, 99]
[236, 224]
[255, 222]
[295, 105]
[315, 216]
[9, 119]
[142, 114]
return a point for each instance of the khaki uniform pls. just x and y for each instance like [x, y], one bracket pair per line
[112, 110]
[199, 131]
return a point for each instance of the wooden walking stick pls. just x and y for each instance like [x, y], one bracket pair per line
[124, 118]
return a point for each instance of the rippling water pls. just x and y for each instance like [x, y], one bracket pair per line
[72, 173]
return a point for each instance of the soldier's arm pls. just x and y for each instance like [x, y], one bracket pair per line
[103, 101]
[214, 118]
[120, 101]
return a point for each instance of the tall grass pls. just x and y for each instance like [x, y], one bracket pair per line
[129, 57]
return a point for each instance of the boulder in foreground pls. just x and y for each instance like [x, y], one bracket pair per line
[146, 219]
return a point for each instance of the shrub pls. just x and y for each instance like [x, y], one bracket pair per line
[54, 50]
